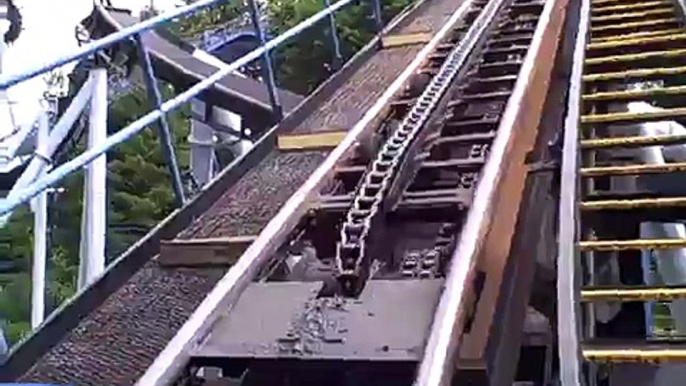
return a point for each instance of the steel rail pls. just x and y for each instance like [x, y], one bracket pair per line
[171, 361]
[86, 157]
[439, 360]
[568, 260]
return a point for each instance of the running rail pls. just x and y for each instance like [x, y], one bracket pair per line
[568, 261]
[88, 156]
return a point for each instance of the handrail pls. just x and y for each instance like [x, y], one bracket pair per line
[89, 155]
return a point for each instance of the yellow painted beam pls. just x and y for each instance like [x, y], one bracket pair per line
[633, 35]
[636, 294]
[634, 141]
[392, 41]
[633, 204]
[658, 354]
[635, 94]
[627, 170]
[310, 141]
[219, 251]
[638, 73]
[628, 245]
[630, 117]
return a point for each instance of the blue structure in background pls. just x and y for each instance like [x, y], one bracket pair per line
[234, 46]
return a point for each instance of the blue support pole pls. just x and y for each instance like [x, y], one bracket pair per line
[162, 124]
[337, 57]
[378, 20]
[268, 70]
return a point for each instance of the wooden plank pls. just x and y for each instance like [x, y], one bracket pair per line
[392, 41]
[310, 141]
[223, 251]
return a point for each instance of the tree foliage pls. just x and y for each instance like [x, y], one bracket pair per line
[207, 19]
[139, 196]
[309, 60]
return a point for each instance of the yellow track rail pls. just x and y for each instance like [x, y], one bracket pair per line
[647, 355]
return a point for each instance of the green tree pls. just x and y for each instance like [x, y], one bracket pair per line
[139, 189]
[15, 305]
[139, 193]
[210, 18]
[16, 237]
[307, 61]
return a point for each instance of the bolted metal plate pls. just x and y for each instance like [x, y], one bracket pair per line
[390, 321]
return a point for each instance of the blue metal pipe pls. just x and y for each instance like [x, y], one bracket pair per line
[162, 125]
[268, 69]
[378, 16]
[337, 57]
[122, 135]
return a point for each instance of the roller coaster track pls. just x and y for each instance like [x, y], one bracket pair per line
[627, 76]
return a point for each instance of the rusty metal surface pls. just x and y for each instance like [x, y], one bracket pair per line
[535, 233]
[115, 343]
[282, 320]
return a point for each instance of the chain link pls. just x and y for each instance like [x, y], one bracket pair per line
[352, 255]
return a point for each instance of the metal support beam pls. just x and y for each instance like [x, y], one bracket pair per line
[228, 127]
[267, 70]
[649, 307]
[378, 16]
[94, 220]
[162, 124]
[40, 229]
[203, 158]
[337, 61]
[4, 349]
[201, 139]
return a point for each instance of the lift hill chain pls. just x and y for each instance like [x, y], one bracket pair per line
[378, 193]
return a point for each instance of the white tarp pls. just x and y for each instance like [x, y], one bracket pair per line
[671, 263]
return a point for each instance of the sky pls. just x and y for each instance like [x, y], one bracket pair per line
[38, 44]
